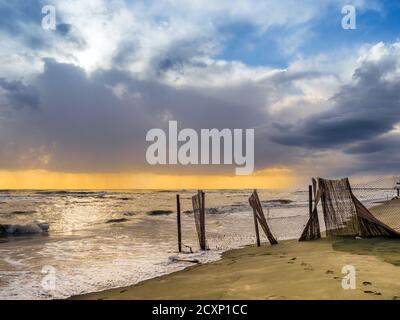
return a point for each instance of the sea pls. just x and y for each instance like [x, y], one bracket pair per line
[55, 243]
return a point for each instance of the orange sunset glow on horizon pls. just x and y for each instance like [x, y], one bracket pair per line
[271, 178]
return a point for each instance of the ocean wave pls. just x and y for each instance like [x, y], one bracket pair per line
[281, 201]
[117, 220]
[51, 192]
[214, 211]
[159, 212]
[20, 229]
[23, 212]
[220, 210]
[244, 206]
[72, 193]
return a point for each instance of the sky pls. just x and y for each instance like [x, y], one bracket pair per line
[76, 102]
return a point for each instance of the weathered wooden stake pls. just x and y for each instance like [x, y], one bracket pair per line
[178, 219]
[310, 199]
[256, 227]
[202, 220]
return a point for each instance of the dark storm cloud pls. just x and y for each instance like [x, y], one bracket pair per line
[83, 126]
[179, 55]
[359, 122]
[378, 154]
[387, 144]
[64, 28]
[69, 119]
[176, 56]
[98, 123]
[361, 111]
[19, 95]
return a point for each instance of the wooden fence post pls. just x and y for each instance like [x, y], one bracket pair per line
[202, 220]
[310, 199]
[256, 227]
[178, 218]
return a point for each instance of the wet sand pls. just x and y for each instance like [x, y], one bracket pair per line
[289, 270]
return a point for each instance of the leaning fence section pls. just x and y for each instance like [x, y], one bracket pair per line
[229, 219]
[199, 218]
[345, 215]
[259, 218]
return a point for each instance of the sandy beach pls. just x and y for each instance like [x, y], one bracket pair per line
[289, 270]
[389, 213]
[200, 150]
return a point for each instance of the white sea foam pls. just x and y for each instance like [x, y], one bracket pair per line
[23, 229]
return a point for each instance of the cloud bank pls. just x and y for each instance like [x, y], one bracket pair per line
[82, 99]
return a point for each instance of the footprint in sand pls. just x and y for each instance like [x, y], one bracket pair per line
[307, 266]
[292, 260]
[329, 272]
[367, 283]
[396, 298]
[376, 293]
[123, 291]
